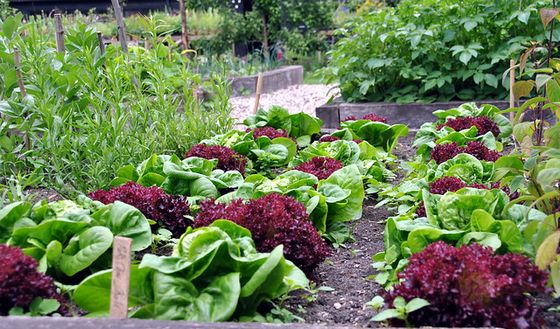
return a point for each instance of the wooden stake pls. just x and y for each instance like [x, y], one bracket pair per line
[184, 31]
[122, 32]
[17, 63]
[120, 280]
[59, 34]
[120, 25]
[19, 76]
[101, 43]
[511, 83]
[258, 93]
[265, 37]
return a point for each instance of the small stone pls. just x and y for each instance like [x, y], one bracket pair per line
[337, 306]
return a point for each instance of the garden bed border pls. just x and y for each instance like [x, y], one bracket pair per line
[413, 115]
[273, 80]
[23, 322]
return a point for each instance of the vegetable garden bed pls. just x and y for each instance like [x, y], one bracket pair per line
[260, 203]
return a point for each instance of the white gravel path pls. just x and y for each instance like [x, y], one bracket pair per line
[295, 98]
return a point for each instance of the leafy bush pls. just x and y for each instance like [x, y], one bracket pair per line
[294, 24]
[268, 132]
[443, 152]
[445, 184]
[328, 138]
[68, 239]
[329, 202]
[432, 50]
[487, 126]
[297, 125]
[266, 153]
[470, 287]
[193, 177]
[483, 124]
[374, 117]
[378, 134]
[168, 211]
[370, 117]
[21, 282]
[321, 167]
[214, 274]
[273, 220]
[227, 158]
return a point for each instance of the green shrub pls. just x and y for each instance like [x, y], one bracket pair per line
[432, 50]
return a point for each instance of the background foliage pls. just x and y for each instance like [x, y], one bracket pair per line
[431, 50]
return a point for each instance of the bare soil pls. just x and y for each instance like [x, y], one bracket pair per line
[346, 272]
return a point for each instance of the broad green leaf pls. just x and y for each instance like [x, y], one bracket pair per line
[416, 304]
[84, 249]
[178, 299]
[126, 221]
[93, 294]
[350, 179]
[9, 215]
[387, 314]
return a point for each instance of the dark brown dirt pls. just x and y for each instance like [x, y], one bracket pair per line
[346, 272]
[38, 194]
[551, 317]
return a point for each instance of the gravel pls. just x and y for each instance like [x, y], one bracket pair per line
[296, 98]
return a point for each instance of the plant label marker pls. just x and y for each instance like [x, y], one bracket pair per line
[258, 93]
[59, 35]
[120, 281]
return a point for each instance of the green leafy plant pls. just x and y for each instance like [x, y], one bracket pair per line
[214, 274]
[67, 238]
[423, 51]
[401, 309]
[38, 307]
[378, 134]
[300, 126]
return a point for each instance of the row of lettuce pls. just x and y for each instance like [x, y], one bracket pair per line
[243, 219]
[474, 231]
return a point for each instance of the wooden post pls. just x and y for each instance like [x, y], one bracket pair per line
[265, 38]
[17, 63]
[101, 43]
[511, 83]
[258, 93]
[122, 32]
[120, 25]
[59, 34]
[184, 31]
[120, 280]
